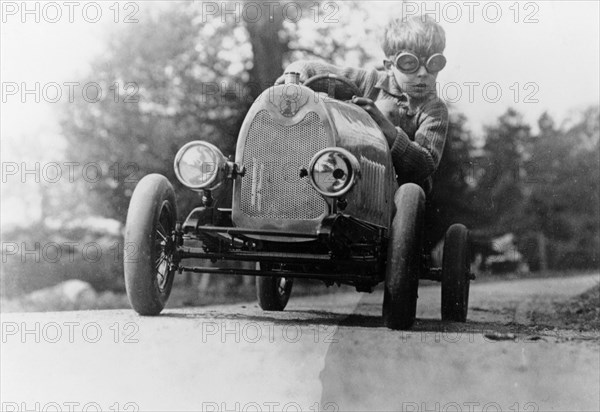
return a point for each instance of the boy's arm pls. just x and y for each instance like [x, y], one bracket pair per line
[413, 160]
[416, 161]
[365, 80]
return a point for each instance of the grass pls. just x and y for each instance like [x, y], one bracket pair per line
[582, 312]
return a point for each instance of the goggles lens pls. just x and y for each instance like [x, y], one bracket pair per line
[409, 63]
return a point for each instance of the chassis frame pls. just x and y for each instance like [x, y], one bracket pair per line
[332, 251]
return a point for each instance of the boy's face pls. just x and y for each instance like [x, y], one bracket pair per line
[417, 85]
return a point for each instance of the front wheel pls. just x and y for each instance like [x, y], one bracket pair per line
[456, 274]
[149, 245]
[273, 292]
[403, 258]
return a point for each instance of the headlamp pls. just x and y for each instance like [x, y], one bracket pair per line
[198, 165]
[333, 171]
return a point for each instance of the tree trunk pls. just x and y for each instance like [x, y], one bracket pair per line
[542, 252]
[268, 50]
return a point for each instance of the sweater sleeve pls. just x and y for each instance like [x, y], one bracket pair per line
[419, 159]
[365, 80]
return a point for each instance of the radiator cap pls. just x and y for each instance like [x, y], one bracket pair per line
[291, 77]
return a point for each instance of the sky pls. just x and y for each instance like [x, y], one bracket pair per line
[533, 56]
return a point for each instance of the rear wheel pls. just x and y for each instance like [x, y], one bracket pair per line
[456, 274]
[149, 245]
[273, 292]
[403, 258]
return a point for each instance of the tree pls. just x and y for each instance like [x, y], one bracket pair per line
[176, 84]
[181, 75]
[341, 33]
[499, 174]
[563, 191]
[453, 184]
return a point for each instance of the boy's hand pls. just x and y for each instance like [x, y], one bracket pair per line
[387, 127]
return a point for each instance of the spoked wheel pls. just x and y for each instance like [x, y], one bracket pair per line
[149, 245]
[273, 292]
[403, 258]
[456, 274]
[164, 247]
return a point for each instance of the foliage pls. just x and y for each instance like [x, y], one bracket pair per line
[181, 87]
[342, 33]
[563, 190]
[453, 185]
[38, 257]
[543, 184]
[499, 174]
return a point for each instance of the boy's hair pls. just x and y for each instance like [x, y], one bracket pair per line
[419, 34]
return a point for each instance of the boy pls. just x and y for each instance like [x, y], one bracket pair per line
[402, 100]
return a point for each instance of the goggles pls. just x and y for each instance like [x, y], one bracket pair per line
[407, 62]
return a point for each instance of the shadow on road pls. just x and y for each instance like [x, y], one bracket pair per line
[350, 379]
[358, 319]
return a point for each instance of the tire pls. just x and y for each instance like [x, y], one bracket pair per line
[273, 292]
[403, 258]
[149, 245]
[455, 274]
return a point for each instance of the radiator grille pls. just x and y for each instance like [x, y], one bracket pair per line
[373, 187]
[273, 157]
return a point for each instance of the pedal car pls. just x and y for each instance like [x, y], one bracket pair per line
[314, 195]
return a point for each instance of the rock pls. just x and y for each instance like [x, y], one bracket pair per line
[500, 336]
[70, 295]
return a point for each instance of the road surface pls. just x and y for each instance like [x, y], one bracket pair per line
[325, 352]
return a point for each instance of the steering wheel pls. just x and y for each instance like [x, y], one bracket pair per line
[336, 87]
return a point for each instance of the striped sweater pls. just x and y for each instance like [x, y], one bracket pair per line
[421, 132]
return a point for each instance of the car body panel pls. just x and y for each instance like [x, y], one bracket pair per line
[282, 131]
[371, 199]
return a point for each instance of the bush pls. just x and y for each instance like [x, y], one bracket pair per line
[36, 258]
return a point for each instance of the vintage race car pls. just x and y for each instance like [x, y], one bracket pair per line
[314, 195]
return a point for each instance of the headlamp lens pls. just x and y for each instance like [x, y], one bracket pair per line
[197, 164]
[333, 171]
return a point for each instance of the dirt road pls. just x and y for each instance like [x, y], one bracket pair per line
[323, 353]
